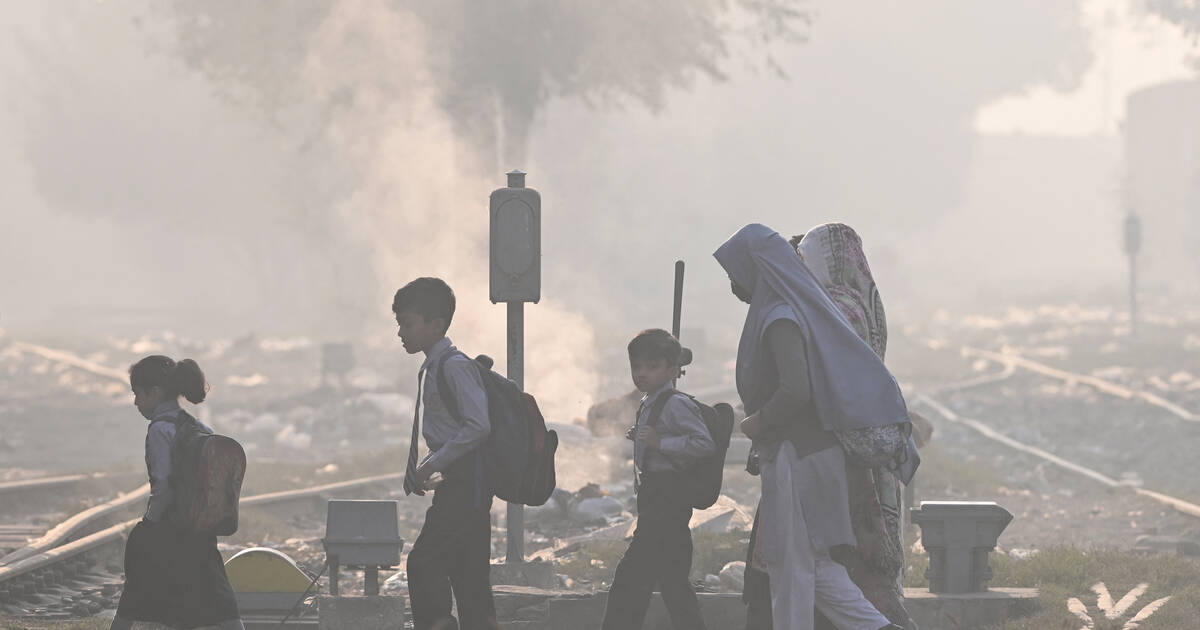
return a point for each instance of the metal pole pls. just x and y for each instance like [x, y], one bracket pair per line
[516, 372]
[1133, 295]
[677, 312]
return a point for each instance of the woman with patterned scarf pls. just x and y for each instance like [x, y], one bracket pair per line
[805, 376]
[833, 253]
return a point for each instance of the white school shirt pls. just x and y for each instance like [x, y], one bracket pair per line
[447, 437]
[684, 436]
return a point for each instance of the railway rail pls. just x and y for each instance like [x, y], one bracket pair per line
[53, 568]
[1010, 364]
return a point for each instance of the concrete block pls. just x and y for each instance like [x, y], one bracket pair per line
[577, 612]
[523, 625]
[966, 611]
[534, 574]
[720, 610]
[361, 613]
[522, 603]
[959, 535]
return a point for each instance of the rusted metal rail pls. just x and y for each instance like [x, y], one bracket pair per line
[46, 565]
[1107, 387]
[43, 483]
[73, 360]
[1180, 505]
[71, 527]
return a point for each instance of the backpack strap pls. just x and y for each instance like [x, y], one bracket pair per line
[656, 411]
[451, 404]
[444, 392]
[660, 404]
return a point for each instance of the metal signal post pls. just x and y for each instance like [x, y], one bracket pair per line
[515, 252]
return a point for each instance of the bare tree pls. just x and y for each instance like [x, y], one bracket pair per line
[1185, 13]
[495, 64]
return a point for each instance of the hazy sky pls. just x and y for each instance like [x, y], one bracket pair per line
[137, 192]
[1133, 50]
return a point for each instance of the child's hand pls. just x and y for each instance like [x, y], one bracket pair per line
[421, 480]
[629, 433]
[649, 437]
[434, 481]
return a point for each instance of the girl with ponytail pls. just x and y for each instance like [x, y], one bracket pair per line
[171, 577]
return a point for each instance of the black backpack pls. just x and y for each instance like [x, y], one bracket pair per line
[206, 480]
[517, 460]
[703, 477]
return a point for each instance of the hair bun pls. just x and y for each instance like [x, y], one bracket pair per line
[188, 381]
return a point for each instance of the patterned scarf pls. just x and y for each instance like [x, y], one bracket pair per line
[834, 254]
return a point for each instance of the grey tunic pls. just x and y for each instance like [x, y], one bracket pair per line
[819, 469]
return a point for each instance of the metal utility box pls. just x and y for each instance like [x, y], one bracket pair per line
[362, 534]
[515, 242]
[959, 535]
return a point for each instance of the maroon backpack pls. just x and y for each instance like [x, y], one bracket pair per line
[206, 480]
[517, 460]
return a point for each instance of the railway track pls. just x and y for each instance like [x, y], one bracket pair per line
[1010, 364]
[57, 575]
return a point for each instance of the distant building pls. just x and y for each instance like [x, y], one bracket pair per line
[1162, 166]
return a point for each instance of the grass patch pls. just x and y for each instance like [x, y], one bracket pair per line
[1064, 572]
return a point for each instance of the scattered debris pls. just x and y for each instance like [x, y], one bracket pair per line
[733, 577]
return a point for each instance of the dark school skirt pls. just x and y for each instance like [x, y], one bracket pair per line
[175, 579]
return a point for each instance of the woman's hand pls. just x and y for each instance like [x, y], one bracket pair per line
[750, 425]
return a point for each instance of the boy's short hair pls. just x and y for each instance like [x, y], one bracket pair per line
[655, 343]
[430, 298]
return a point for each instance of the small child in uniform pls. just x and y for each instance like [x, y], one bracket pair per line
[661, 549]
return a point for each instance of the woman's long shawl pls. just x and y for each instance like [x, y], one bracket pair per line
[833, 252]
[851, 388]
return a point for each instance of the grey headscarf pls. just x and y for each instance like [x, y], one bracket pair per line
[851, 387]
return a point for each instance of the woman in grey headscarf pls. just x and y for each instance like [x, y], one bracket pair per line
[803, 373]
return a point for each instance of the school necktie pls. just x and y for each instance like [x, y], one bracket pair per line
[637, 475]
[410, 471]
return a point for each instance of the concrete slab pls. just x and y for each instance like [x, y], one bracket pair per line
[965, 611]
[522, 603]
[720, 610]
[375, 612]
[271, 622]
[521, 608]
